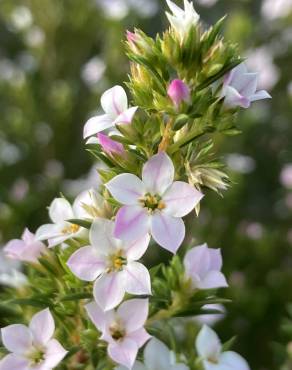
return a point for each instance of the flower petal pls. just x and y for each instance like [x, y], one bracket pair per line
[132, 223]
[139, 336]
[17, 338]
[134, 313]
[135, 250]
[86, 264]
[180, 199]
[158, 173]
[213, 279]
[109, 291]
[233, 360]
[137, 279]
[246, 84]
[14, 362]
[27, 236]
[101, 236]
[167, 231]
[14, 248]
[55, 353]
[124, 353]
[234, 99]
[208, 344]
[126, 188]
[151, 358]
[96, 124]
[197, 261]
[126, 117]
[259, 95]
[137, 366]
[114, 101]
[42, 326]
[97, 315]
[215, 259]
[48, 231]
[60, 210]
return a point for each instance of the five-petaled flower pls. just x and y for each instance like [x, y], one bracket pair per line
[32, 348]
[122, 329]
[209, 349]
[27, 249]
[60, 211]
[240, 88]
[154, 204]
[182, 19]
[202, 267]
[112, 264]
[157, 357]
[114, 102]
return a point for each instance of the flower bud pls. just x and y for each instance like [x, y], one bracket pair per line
[178, 92]
[131, 36]
[110, 146]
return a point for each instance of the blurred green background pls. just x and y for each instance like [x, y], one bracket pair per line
[58, 56]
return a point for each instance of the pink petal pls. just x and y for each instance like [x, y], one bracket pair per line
[42, 326]
[136, 249]
[97, 315]
[178, 92]
[213, 280]
[55, 353]
[132, 223]
[180, 199]
[126, 188]
[86, 264]
[14, 249]
[197, 261]
[234, 99]
[60, 210]
[158, 173]
[137, 280]
[14, 362]
[139, 336]
[126, 117]
[96, 124]
[101, 236]
[17, 338]
[110, 146]
[109, 290]
[114, 101]
[27, 236]
[124, 353]
[134, 313]
[232, 360]
[167, 231]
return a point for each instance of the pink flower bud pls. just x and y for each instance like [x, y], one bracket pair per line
[131, 37]
[178, 91]
[110, 146]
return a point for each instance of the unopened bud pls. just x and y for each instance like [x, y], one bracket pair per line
[178, 92]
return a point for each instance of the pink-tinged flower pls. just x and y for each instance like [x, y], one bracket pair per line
[110, 146]
[27, 249]
[203, 266]
[122, 329]
[114, 102]
[178, 92]
[157, 357]
[209, 349]
[239, 88]
[112, 264]
[32, 348]
[154, 204]
[182, 19]
[60, 211]
[131, 36]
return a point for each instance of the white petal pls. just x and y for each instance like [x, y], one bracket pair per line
[174, 8]
[124, 352]
[213, 279]
[126, 117]
[48, 231]
[151, 358]
[101, 236]
[109, 290]
[137, 280]
[234, 99]
[126, 188]
[137, 366]
[42, 326]
[114, 101]
[97, 315]
[14, 362]
[86, 264]
[55, 353]
[180, 199]
[208, 344]
[60, 210]
[139, 336]
[158, 173]
[233, 360]
[167, 231]
[246, 84]
[17, 338]
[97, 124]
[197, 261]
[259, 95]
[134, 313]
[135, 250]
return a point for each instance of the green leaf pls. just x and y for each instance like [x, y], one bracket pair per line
[75, 297]
[29, 302]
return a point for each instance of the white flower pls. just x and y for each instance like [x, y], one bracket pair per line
[182, 20]
[209, 349]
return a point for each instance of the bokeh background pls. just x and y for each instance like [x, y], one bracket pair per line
[58, 56]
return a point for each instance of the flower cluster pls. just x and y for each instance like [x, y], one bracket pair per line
[92, 270]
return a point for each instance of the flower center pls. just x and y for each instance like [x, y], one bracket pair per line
[71, 229]
[36, 356]
[152, 202]
[116, 262]
[117, 331]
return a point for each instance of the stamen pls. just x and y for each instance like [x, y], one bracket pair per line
[71, 229]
